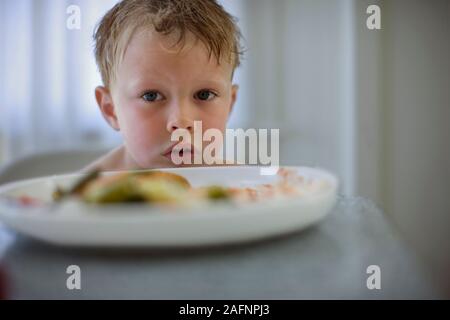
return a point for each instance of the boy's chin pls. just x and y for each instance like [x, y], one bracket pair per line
[171, 164]
[185, 165]
[167, 163]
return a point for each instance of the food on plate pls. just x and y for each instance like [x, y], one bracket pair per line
[150, 186]
[165, 188]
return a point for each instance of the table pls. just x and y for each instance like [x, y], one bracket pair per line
[326, 261]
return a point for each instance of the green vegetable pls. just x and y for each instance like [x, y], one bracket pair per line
[77, 188]
[217, 193]
[120, 190]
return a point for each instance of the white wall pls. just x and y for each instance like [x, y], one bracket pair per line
[403, 114]
[2, 58]
[417, 88]
[369, 121]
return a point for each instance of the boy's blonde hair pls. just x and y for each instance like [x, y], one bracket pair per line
[205, 19]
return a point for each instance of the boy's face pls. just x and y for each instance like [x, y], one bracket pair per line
[158, 89]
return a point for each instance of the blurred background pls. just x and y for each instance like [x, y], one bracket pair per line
[373, 106]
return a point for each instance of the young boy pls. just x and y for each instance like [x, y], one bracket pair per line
[164, 64]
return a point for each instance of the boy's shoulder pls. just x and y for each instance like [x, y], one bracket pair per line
[112, 161]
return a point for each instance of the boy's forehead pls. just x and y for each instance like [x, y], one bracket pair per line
[149, 51]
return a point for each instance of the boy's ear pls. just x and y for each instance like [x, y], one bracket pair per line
[234, 92]
[106, 105]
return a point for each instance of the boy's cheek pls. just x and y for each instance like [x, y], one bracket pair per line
[145, 132]
[138, 127]
[218, 121]
[132, 116]
[143, 146]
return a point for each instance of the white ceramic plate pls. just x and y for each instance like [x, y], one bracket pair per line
[77, 224]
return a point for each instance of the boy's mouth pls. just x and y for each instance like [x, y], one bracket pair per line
[181, 149]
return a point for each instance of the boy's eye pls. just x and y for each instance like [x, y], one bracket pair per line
[205, 95]
[152, 96]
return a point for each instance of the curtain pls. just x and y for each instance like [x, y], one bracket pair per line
[48, 75]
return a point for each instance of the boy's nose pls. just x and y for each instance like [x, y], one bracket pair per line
[179, 125]
[180, 120]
